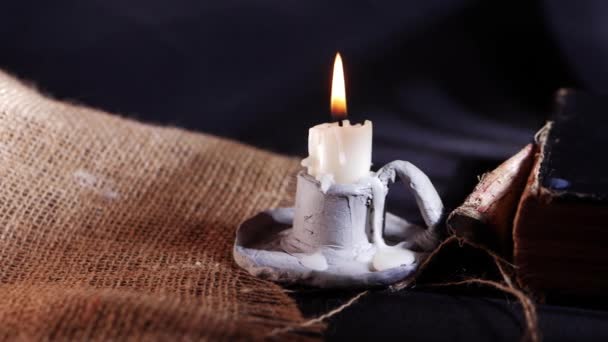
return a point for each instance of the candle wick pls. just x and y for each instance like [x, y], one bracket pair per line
[340, 123]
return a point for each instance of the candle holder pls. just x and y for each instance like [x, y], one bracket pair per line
[341, 236]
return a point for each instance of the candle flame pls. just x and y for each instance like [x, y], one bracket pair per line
[338, 91]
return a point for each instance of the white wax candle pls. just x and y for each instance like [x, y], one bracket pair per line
[343, 153]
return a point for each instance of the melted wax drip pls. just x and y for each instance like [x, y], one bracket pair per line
[386, 256]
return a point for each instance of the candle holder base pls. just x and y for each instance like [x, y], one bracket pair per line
[264, 248]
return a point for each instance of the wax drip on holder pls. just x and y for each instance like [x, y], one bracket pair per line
[337, 233]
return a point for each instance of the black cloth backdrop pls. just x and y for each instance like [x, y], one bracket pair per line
[455, 86]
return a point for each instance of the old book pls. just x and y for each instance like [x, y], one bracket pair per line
[547, 206]
[560, 231]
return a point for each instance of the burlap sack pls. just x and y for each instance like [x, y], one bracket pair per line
[113, 229]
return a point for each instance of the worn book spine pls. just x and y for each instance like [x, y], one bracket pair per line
[486, 216]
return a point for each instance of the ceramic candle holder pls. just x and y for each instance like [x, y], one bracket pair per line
[338, 217]
[337, 236]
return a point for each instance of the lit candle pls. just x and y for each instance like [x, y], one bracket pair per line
[339, 151]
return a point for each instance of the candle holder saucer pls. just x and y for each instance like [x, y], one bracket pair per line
[260, 249]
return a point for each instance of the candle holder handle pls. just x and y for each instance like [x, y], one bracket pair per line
[428, 200]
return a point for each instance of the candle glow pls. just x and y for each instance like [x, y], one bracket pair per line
[338, 90]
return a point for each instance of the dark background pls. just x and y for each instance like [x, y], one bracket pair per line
[454, 86]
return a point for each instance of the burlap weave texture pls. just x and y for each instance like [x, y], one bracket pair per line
[113, 229]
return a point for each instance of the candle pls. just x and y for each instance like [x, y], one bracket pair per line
[339, 152]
